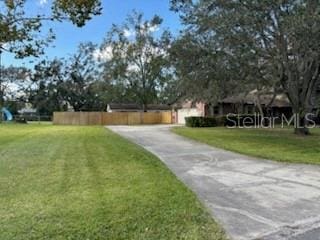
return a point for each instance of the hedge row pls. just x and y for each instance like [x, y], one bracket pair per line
[230, 121]
[201, 122]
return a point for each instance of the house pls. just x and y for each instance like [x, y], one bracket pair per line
[241, 104]
[272, 105]
[133, 107]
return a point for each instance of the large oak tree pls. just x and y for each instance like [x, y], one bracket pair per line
[274, 41]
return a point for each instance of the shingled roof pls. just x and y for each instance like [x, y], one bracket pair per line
[137, 107]
[281, 100]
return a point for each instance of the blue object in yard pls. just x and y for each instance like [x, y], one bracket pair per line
[7, 115]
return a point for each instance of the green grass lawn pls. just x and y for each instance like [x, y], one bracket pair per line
[88, 183]
[276, 144]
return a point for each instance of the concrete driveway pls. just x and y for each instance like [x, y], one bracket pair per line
[251, 198]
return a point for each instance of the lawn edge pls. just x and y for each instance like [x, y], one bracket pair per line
[256, 157]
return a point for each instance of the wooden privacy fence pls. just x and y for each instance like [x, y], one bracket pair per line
[114, 118]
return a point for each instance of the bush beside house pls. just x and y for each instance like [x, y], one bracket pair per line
[201, 122]
[220, 121]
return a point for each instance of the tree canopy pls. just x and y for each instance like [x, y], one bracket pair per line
[22, 32]
[135, 55]
[74, 82]
[12, 82]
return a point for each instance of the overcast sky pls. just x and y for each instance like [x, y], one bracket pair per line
[114, 11]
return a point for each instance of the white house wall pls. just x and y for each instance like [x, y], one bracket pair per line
[187, 112]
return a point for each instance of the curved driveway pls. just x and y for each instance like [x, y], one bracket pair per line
[251, 198]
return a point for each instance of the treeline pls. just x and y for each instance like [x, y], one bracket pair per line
[131, 66]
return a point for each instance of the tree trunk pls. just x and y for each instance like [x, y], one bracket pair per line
[301, 125]
[300, 98]
[144, 107]
[210, 110]
[261, 112]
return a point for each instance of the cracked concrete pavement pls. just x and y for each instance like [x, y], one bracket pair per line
[251, 198]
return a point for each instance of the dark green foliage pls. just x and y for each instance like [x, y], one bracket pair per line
[76, 11]
[81, 86]
[45, 95]
[12, 76]
[259, 44]
[221, 120]
[198, 122]
[21, 29]
[14, 105]
[74, 82]
[135, 57]
[232, 120]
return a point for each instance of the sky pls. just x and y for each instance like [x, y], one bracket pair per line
[69, 36]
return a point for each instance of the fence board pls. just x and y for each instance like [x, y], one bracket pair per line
[66, 118]
[134, 118]
[115, 118]
[151, 118]
[94, 118]
[84, 118]
[166, 117]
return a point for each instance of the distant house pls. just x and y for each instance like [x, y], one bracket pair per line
[120, 107]
[27, 111]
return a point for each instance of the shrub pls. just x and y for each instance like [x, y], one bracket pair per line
[221, 121]
[201, 122]
[316, 119]
[232, 120]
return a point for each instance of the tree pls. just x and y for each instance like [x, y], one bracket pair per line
[135, 58]
[12, 82]
[73, 82]
[21, 31]
[81, 75]
[45, 90]
[275, 41]
[204, 73]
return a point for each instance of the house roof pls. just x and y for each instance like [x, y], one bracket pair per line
[162, 107]
[134, 106]
[129, 106]
[281, 100]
